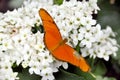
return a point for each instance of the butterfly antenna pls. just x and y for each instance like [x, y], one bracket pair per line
[92, 74]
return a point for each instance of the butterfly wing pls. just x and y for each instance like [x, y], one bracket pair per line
[52, 35]
[68, 54]
[56, 45]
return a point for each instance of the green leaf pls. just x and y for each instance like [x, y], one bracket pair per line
[104, 78]
[37, 28]
[99, 68]
[85, 75]
[59, 2]
[64, 75]
[24, 75]
[78, 47]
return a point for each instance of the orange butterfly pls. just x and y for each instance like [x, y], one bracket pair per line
[57, 46]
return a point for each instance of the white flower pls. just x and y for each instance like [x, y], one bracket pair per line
[46, 57]
[88, 40]
[39, 44]
[102, 46]
[93, 5]
[25, 65]
[48, 76]
[86, 21]
[6, 71]
[75, 37]
[85, 52]
[46, 72]
[34, 67]
[74, 19]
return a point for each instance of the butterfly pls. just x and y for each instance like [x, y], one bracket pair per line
[57, 45]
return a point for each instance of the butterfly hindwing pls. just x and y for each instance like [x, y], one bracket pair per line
[68, 54]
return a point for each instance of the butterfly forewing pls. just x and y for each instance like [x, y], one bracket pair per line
[52, 35]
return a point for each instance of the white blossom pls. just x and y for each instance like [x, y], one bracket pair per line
[74, 19]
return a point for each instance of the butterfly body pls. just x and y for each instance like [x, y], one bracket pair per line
[57, 45]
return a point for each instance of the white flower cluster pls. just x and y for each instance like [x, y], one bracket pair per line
[74, 19]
